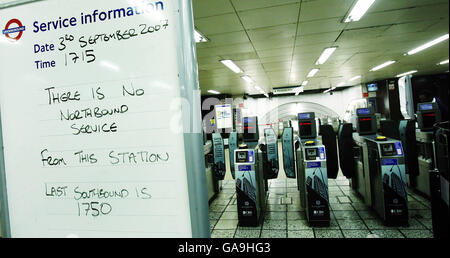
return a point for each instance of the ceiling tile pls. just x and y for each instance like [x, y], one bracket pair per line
[224, 39]
[208, 8]
[320, 26]
[242, 5]
[324, 9]
[218, 24]
[272, 16]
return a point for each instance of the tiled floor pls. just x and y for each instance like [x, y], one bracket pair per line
[350, 218]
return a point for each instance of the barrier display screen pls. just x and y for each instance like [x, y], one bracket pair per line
[305, 128]
[425, 107]
[364, 111]
[365, 124]
[428, 120]
[251, 131]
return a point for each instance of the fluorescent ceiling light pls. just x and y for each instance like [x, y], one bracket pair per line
[326, 91]
[444, 62]
[359, 10]
[213, 92]
[313, 72]
[381, 66]
[429, 44]
[407, 73]
[299, 90]
[199, 37]
[232, 66]
[247, 79]
[325, 55]
[305, 83]
[341, 84]
[355, 78]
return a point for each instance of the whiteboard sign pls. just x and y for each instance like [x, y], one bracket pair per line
[87, 90]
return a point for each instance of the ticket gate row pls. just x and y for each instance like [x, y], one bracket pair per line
[254, 161]
[375, 167]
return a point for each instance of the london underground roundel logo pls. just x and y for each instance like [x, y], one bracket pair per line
[14, 26]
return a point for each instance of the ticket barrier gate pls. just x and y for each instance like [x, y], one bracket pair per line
[387, 178]
[254, 162]
[312, 182]
[267, 148]
[312, 179]
[439, 180]
[211, 184]
[251, 187]
[289, 149]
[271, 164]
[379, 171]
[427, 115]
[215, 164]
[405, 131]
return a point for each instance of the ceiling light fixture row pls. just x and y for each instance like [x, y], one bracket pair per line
[357, 12]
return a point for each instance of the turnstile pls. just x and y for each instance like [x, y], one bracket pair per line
[440, 183]
[388, 179]
[379, 171]
[254, 162]
[312, 177]
[213, 185]
[271, 164]
[250, 187]
[427, 115]
[289, 150]
[312, 182]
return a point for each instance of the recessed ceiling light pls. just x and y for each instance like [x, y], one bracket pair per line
[304, 83]
[359, 10]
[381, 66]
[247, 79]
[213, 92]
[313, 72]
[429, 44]
[355, 78]
[407, 73]
[444, 62]
[325, 55]
[199, 37]
[232, 66]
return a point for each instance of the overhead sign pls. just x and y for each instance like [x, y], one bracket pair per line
[92, 133]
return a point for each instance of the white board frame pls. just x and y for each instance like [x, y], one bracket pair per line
[193, 137]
